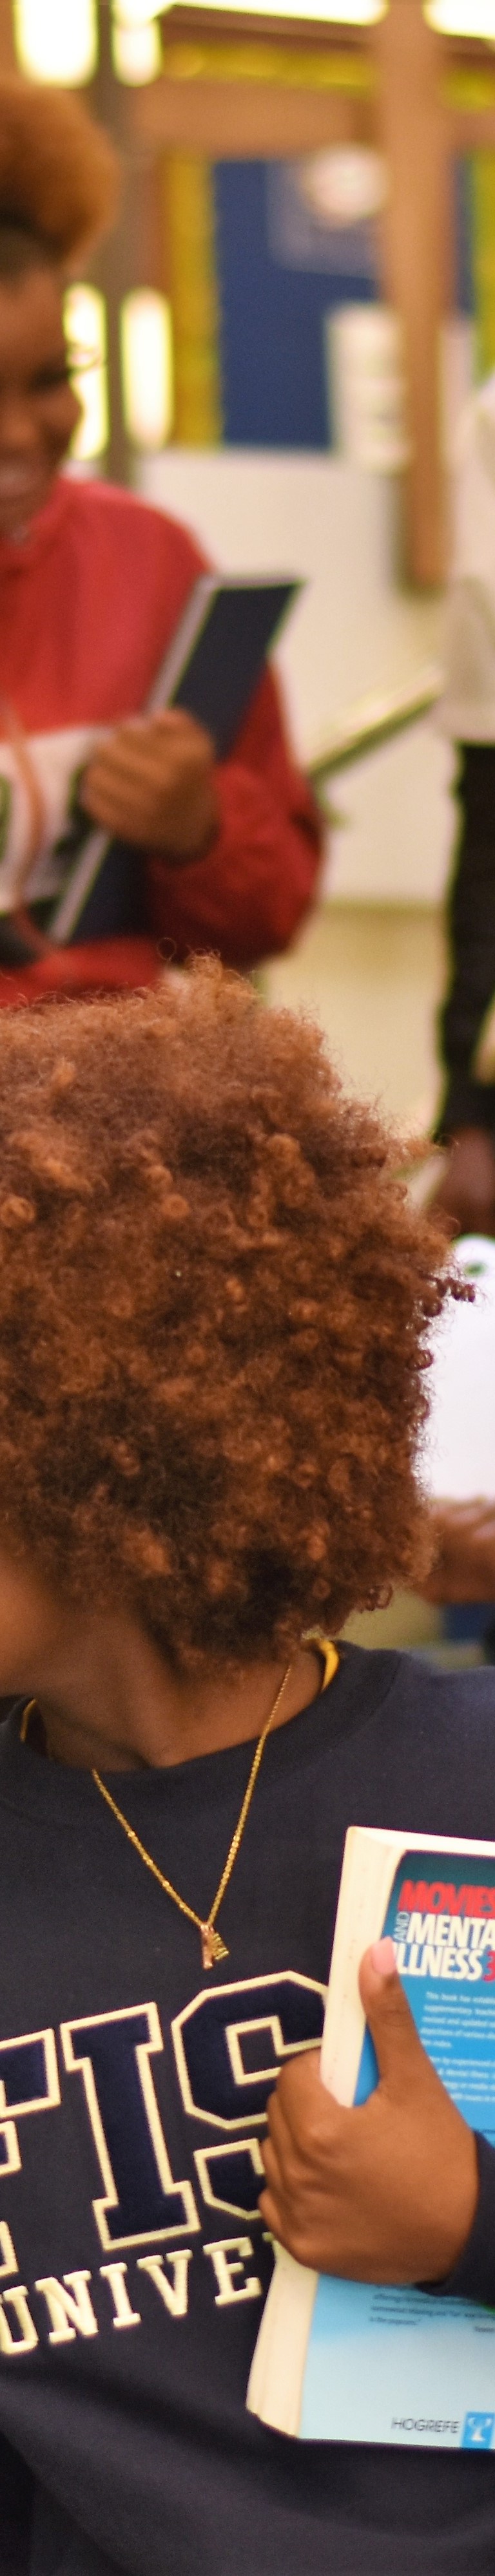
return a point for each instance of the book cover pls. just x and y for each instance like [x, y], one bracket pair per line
[343, 2360]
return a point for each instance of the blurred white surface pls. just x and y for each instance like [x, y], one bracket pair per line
[354, 630]
[459, 1453]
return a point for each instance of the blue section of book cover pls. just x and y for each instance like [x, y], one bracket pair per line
[394, 2365]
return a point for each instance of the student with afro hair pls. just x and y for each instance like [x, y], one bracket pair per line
[92, 585]
[215, 1308]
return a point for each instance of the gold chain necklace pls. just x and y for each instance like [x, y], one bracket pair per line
[212, 1946]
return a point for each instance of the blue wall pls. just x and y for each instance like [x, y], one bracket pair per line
[271, 314]
[281, 269]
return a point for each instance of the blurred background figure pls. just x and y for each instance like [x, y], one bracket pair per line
[467, 1119]
[463, 1566]
[92, 584]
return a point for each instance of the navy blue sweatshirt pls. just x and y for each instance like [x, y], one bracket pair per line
[133, 2259]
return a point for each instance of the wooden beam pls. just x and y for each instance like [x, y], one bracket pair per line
[8, 57]
[469, 129]
[416, 231]
[228, 26]
[246, 120]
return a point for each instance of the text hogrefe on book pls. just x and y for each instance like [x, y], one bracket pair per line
[344, 2360]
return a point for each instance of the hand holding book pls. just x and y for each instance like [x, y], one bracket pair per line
[152, 783]
[373, 2159]
[386, 2192]
[162, 796]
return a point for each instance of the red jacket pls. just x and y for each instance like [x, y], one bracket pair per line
[88, 603]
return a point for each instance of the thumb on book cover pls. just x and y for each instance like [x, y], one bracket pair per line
[388, 2016]
[382, 1956]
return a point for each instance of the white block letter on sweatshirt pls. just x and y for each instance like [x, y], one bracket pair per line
[229, 2256]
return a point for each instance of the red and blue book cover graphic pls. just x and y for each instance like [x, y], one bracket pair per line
[373, 2364]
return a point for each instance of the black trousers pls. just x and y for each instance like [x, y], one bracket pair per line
[471, 930]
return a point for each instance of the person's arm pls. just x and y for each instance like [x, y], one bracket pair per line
[231, 850]
[388, 2192]
[463, 1562]
[248, 895]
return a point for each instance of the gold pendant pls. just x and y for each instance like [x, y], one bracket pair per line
[212, 1946]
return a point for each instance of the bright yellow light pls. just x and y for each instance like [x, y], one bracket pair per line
[147, 367]
[136, 13]
[136, 52]
[56, 40]
[462, 17]
[86, 328]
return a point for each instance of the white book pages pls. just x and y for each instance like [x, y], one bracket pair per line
[368, 1870]
[279, 2358]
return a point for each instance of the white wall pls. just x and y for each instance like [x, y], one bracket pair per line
[353, 630]
[372, 975]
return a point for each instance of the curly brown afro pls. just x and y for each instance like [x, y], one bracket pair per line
[59, 173]
[214, 1312]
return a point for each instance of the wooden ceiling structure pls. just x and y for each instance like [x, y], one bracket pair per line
[403, 88]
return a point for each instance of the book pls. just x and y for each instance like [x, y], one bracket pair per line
[210, 669]
[216, 655]
[458, 1459]
[348, 2361]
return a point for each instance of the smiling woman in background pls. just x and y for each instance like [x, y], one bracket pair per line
[92, 584]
